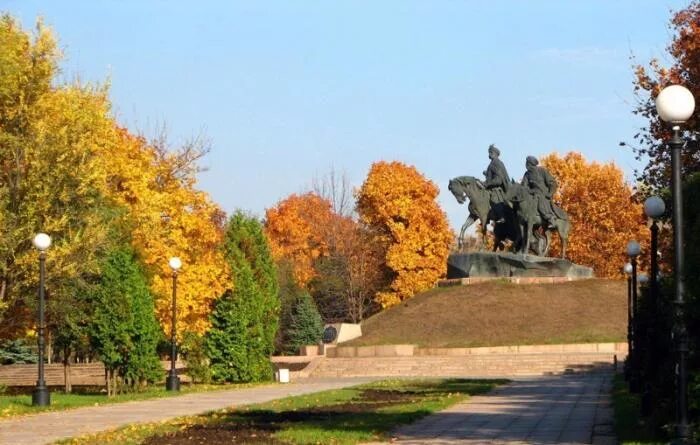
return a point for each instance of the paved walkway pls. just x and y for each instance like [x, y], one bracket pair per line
[572, 409]
[49, 427]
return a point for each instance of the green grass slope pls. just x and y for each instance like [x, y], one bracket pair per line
[500, 313]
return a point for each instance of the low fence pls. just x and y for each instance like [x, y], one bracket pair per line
[81, 374]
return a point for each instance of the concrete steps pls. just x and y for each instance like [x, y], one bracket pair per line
[496, 365]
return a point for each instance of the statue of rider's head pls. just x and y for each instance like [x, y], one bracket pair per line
[494, 152]
[531, 162]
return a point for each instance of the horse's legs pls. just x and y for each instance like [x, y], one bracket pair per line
[526, 238]
[470, 220]
[548, 242]
[563, 230]
[484, 232]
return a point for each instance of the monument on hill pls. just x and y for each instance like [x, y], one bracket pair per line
[522, 214]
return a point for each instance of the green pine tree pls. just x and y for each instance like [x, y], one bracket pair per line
[244, 321]
[124, 330]
[304, 325]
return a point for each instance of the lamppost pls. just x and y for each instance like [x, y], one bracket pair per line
[633, 250]
[675, 104]
[654, 208]
[41, 395]
[628, 271]
[172, 383]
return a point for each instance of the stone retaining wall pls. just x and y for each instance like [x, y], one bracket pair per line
[413, 350]
[486, 365]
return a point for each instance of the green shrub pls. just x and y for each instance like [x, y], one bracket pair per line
[193, 351]
[16, 351]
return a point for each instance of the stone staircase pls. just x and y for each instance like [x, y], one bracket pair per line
[486, 365]
[412, 361]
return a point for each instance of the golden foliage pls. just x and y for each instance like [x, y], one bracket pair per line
[295, 229]
[604, 215]
[68, 170]
[168, 217]
[399, 204]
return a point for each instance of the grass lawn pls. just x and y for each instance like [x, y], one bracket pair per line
[499, 313]
[629, 427]
[346, 416]
[14, 405]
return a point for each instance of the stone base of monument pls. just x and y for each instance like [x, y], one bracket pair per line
[481, 266]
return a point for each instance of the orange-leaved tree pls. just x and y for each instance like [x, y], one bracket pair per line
[399, 204]
[604, 214]
[295, 229]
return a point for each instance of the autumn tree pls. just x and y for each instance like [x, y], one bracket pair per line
[350, 275]
[167, 216]
[604, 214]
[51, 178]
[650, 79]
[65, 166]
[294, 228]
[683, 68]
[399, 205]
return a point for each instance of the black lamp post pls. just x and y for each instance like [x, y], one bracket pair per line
[633, 250]
[172, 382]
[628, 271]
[654, 208]
[41, 395]
[675, 104]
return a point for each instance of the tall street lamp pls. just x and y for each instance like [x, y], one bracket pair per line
[654, 208]
[172, 383]
[41, 395]
[628, 271]
[633, 250]
[675, 104]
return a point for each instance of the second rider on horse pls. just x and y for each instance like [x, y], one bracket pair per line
[542, 185]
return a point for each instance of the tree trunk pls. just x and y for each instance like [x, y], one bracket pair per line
[49, 350]
[108, 381]
[67, 370]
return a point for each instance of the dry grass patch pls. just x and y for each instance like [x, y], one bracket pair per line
[502, 313]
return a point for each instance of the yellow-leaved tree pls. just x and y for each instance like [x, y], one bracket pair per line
[604, 214]
[67, 169]
[51, 178]
[168, 217]
[399, 204]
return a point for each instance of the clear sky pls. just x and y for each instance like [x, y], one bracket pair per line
[285, 90]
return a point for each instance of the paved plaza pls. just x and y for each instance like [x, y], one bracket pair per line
[571, 409]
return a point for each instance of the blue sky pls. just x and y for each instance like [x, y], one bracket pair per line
[287, 90]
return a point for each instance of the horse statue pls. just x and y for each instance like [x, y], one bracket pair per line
[530, 220]
[469, 187]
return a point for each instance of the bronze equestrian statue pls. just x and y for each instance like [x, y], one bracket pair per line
[532, 202]
[522, 213]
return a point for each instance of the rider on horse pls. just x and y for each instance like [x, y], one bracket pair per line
[542, 185]
[496, 183]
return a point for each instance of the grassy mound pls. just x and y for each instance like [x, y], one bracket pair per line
[500, 313]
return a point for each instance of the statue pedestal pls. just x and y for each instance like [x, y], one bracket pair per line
[505, 265]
